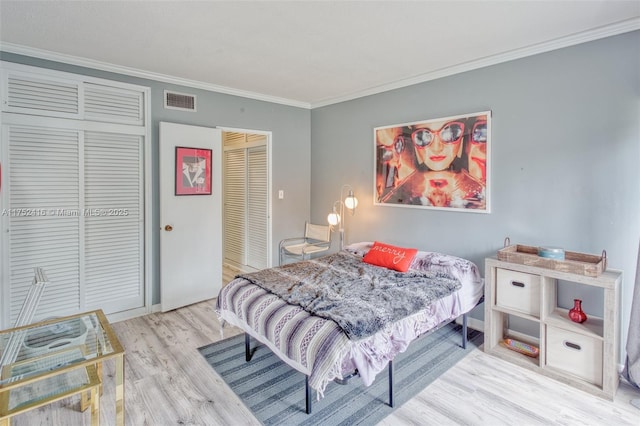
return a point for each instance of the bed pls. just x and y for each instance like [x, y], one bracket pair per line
[303, 335]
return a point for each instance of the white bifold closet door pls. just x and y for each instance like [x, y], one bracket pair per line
[113, 221]
[235, 197]
[246, 204]
[72, 150]
[43, 186]
[257, 192]
[76, 210]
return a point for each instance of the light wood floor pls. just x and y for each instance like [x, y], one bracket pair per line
[167, 382]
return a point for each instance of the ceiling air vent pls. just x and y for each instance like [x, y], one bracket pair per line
[181, 101]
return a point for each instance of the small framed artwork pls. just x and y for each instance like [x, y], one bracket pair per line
[440, 163]
[193, 171]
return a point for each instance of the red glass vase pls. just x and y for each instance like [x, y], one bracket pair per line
[576, 314]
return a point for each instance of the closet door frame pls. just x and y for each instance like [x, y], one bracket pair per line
[268, 135]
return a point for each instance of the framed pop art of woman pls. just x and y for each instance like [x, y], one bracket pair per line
[440, 163]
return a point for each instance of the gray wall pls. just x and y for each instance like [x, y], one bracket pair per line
[290, 146]
[565, 150]
[565, 155]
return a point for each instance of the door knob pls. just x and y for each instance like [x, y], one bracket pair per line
[168, 228]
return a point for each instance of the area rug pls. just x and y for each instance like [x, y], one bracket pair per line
[274, 392]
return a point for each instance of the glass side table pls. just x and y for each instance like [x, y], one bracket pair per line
[53, 359]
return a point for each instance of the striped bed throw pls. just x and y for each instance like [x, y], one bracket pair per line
[315, 343]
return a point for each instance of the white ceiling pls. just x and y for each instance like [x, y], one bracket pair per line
[300, 52]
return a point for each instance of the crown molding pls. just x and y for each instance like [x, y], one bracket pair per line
[134, 72]
[621, 27]
[559, 43]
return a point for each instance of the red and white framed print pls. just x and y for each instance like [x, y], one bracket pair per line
[193, 171]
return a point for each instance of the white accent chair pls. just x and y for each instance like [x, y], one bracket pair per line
[316, 240]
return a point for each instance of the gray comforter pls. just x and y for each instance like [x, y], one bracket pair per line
[361, 298]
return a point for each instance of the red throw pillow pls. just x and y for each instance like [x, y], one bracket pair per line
[388, 256]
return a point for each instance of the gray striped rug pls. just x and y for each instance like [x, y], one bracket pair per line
[274, 392]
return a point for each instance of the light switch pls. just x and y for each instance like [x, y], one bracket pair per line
[281, 194]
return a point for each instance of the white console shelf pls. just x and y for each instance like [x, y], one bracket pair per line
[582, 355]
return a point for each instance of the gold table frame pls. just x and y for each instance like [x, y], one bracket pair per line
[99, 343]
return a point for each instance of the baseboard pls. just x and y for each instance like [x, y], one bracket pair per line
[472, 323]
[237, 268]
[132, 313]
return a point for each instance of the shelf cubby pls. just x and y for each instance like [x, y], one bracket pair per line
[582, 355]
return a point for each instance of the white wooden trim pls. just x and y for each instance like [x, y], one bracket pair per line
[65, 123]
[149, 241]
[472, 323]
[5, 305]
[240, 130]
[133, 72]
[132, 313]
[628, 25]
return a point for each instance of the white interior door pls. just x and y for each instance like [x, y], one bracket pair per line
[191, 225]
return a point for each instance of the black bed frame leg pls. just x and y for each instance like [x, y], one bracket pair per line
[307, 394]
[390, 383]
[247, 349]
[464, 331]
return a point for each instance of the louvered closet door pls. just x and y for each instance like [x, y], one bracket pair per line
[76, 210]
[235, 196]
[113, 223]
[72, 152]
[257, 207]
[113, 105]
[39, 95]
[43, 216]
